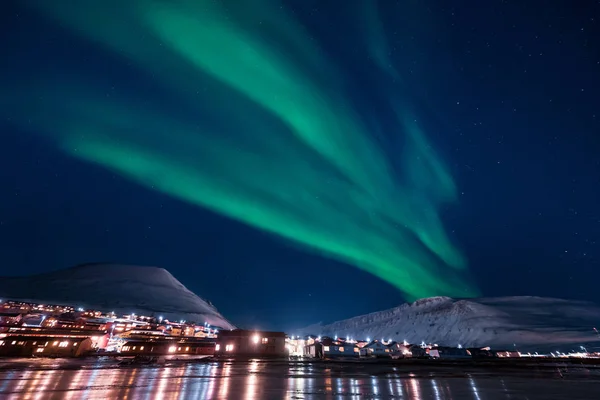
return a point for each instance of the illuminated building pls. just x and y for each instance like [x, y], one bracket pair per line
[240, 342]
[330, 348]
[375, 348]
[165, 346]
[44, 346]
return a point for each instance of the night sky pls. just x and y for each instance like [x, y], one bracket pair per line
[506, 95]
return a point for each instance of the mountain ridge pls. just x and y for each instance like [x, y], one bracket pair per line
[514, 321]
[116, 287]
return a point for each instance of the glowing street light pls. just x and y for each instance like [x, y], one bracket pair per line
[255, 339]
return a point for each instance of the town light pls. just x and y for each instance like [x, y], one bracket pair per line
[368, 339]
[255, 339]
[172, 349]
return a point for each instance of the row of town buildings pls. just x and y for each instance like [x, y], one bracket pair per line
[43, 330]
[330, 348]
[31, 329]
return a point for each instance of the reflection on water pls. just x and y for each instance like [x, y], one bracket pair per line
[271, 380]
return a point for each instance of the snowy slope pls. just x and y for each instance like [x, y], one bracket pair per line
[113, 287]
[527, 322]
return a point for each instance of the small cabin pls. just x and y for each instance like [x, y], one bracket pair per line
[376, 349]
[330, 348]
[399, 350]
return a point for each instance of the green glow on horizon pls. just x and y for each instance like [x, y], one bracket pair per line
[273, 141]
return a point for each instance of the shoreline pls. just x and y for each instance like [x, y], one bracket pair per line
[402, 365]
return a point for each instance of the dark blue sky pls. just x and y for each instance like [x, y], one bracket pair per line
[511, 94]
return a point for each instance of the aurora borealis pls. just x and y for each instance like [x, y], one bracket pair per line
[295, 161]
[262, 128]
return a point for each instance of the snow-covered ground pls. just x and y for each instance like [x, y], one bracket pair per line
[113, 287]
[507, 322]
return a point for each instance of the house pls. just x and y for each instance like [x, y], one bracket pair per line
[479, 353]
[449, 353]
[330, 348]
[417, 351]
[41, 346]
[245, 343]
[399, 350]
[10, 318]
[506, 353]
[375, 348]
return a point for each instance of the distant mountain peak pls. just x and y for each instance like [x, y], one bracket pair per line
[527, 322]
[116, 287]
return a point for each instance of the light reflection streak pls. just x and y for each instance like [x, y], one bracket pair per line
[23, 381]
[45, 384]
[74, 385]
[474, 388]
[182, 383]
[94, 375]
[328, 383]
[145, 376]
[354, 390]
[374, 386]
[7, 380]
[34, 384]
[251, 387]
[160, 393]
[130, 382]
[224, 381]
[436, 390]
[415, 388]
[207, 383]
[339, 389]
[399, 388]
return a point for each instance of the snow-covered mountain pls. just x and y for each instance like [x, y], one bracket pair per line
[114, 287]
[527, 322]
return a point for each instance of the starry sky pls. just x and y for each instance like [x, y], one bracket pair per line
[494, 193]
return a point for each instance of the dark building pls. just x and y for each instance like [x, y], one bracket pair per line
[449, 353]
[10, 318]
[44, 346]
[330, 348]
[157, 347]
[240, 342]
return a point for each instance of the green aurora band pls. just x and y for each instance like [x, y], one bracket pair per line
[267, 135]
